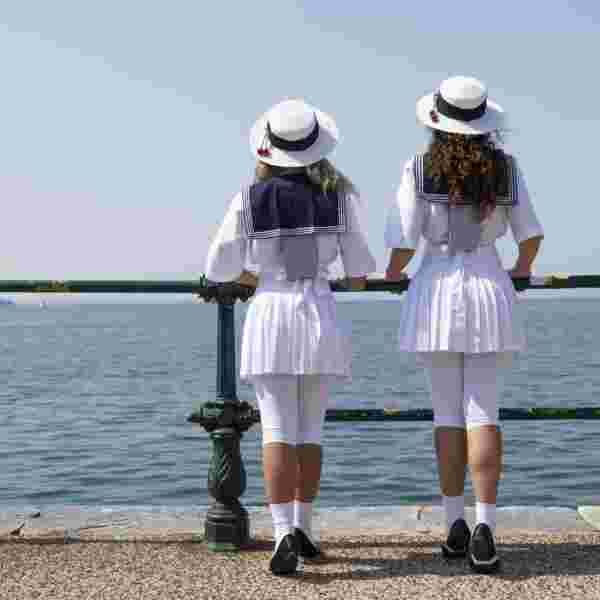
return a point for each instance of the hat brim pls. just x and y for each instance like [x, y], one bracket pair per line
[493, 118]
[323, 146]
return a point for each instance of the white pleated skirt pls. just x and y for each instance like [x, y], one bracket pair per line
[462, 303]
[291, 328]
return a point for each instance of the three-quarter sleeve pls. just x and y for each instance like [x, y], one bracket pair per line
[356, 256]
[227, 253]
[524, 223]
[405, 218]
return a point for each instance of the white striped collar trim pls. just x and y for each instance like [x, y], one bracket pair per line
[419, 171]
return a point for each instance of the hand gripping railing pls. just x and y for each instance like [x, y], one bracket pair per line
[226, 418]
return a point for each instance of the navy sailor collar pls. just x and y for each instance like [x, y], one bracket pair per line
[509, 196]
[291, 205]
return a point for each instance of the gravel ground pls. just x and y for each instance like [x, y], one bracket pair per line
[535, 565]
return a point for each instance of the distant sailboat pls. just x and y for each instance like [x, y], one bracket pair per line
[43, 303]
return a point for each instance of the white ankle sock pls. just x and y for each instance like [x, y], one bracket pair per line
[283, 516]
[454, 507]
[486, 513]
[303, 516]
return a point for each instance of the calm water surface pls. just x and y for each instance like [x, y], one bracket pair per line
[94, 400]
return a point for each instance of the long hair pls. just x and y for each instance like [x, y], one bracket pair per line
[472, 166]
[322, 174]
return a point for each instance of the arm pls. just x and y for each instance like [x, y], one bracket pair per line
[404, 226]
[227, 253]
[528, 250]
[526, 229]
[354, 250]
[399, 258]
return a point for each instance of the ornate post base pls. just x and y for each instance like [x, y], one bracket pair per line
[227, 528]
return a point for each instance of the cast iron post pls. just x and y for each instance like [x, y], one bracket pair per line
[226, 418]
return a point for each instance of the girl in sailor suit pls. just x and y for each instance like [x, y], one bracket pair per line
[459, 316]
[282, 234]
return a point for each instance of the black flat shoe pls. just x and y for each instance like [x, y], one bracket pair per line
[285, 558]
[482, 550]
[457, 543]
[306, 547]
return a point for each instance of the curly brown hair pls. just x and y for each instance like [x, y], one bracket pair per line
[472, 168]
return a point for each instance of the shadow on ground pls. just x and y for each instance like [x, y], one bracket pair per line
[520, 560]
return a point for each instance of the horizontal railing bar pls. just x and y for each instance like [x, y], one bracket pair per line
[102, 287]
[552, 282]
[421, 415]
[506, 414]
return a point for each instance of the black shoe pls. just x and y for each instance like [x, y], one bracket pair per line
[306, 547]
[457, 543]
[285, 558]
[482, 550]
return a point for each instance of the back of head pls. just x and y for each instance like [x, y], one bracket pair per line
[473, 167]
[322, 174]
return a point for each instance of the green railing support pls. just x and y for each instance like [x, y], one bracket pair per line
[226, 419]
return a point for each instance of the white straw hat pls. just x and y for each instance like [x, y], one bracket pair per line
[293, 134]
[460, 105]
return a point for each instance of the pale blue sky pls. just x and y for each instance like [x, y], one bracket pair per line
[125, 123]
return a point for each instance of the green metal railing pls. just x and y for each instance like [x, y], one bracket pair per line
[226, 418]
[547, 282]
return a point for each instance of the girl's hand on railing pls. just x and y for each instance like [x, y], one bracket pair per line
[519, 273]
[248, 279]
[356, 284]
[399, 259]
[522, 274]
[528, 250]
[395, 275]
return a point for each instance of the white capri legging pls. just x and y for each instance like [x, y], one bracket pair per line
[464, 388]
[292, 407]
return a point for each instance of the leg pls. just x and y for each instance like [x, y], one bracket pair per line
[278, 404]
[312, 407]
[484, 436]
[484, 442]
[485, 461]
[310, 458]
[314, 394]
[280, 463]
[451, 451]
[445, 378]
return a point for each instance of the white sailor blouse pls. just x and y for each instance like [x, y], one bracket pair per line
[461, 298]
[263, 222]
[418, 211]
[290, 234]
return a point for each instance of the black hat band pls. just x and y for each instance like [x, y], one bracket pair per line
[294, 145]
[459, 114]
